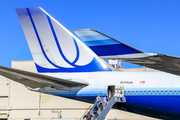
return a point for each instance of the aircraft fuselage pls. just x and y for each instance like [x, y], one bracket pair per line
[152, 93]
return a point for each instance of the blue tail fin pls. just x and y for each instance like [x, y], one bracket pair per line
[53, 47]
[104, 45]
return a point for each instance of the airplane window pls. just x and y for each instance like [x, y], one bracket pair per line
[157, 92]
[174, 92]
[144, 92]
[149, 92]
[161, 92]
[170, 92]
[129, 92]
[153, 92]
[136, 92]
[166, 92]
[141, 92]
[179, 92]
[133, 92]
[125, 92]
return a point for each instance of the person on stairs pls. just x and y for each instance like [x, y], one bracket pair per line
[104, 100]
[89, 116]
[98, 99]
[95, 111]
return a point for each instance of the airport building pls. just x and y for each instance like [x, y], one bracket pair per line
[19, 103]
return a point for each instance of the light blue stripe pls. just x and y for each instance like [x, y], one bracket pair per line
[101, 42]
[86, 33]
[131, 90]
[93, 37]
[151, 90]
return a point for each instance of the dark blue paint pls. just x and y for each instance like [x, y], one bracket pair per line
[159, 106]
[93, 66]
[116, 49]
[168, 105]
[164, 107]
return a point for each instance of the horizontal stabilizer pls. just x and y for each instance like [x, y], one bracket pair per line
[35, 80]
[165, 63]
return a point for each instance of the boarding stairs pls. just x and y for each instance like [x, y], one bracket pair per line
[90, 109]
[109, 105]
[118, 96]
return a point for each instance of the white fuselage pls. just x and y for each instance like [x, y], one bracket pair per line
[132, 81]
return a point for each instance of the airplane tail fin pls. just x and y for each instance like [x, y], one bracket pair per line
[104, 45]
[53, 47]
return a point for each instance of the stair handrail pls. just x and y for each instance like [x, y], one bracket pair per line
[88, 109]
[100, 115]
[112, 95]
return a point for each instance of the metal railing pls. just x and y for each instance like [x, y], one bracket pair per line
[94, 103]
[90, 107]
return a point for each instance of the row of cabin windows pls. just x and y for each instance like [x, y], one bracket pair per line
[149, 92]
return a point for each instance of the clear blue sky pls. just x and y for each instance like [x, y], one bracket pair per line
[149, 25]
